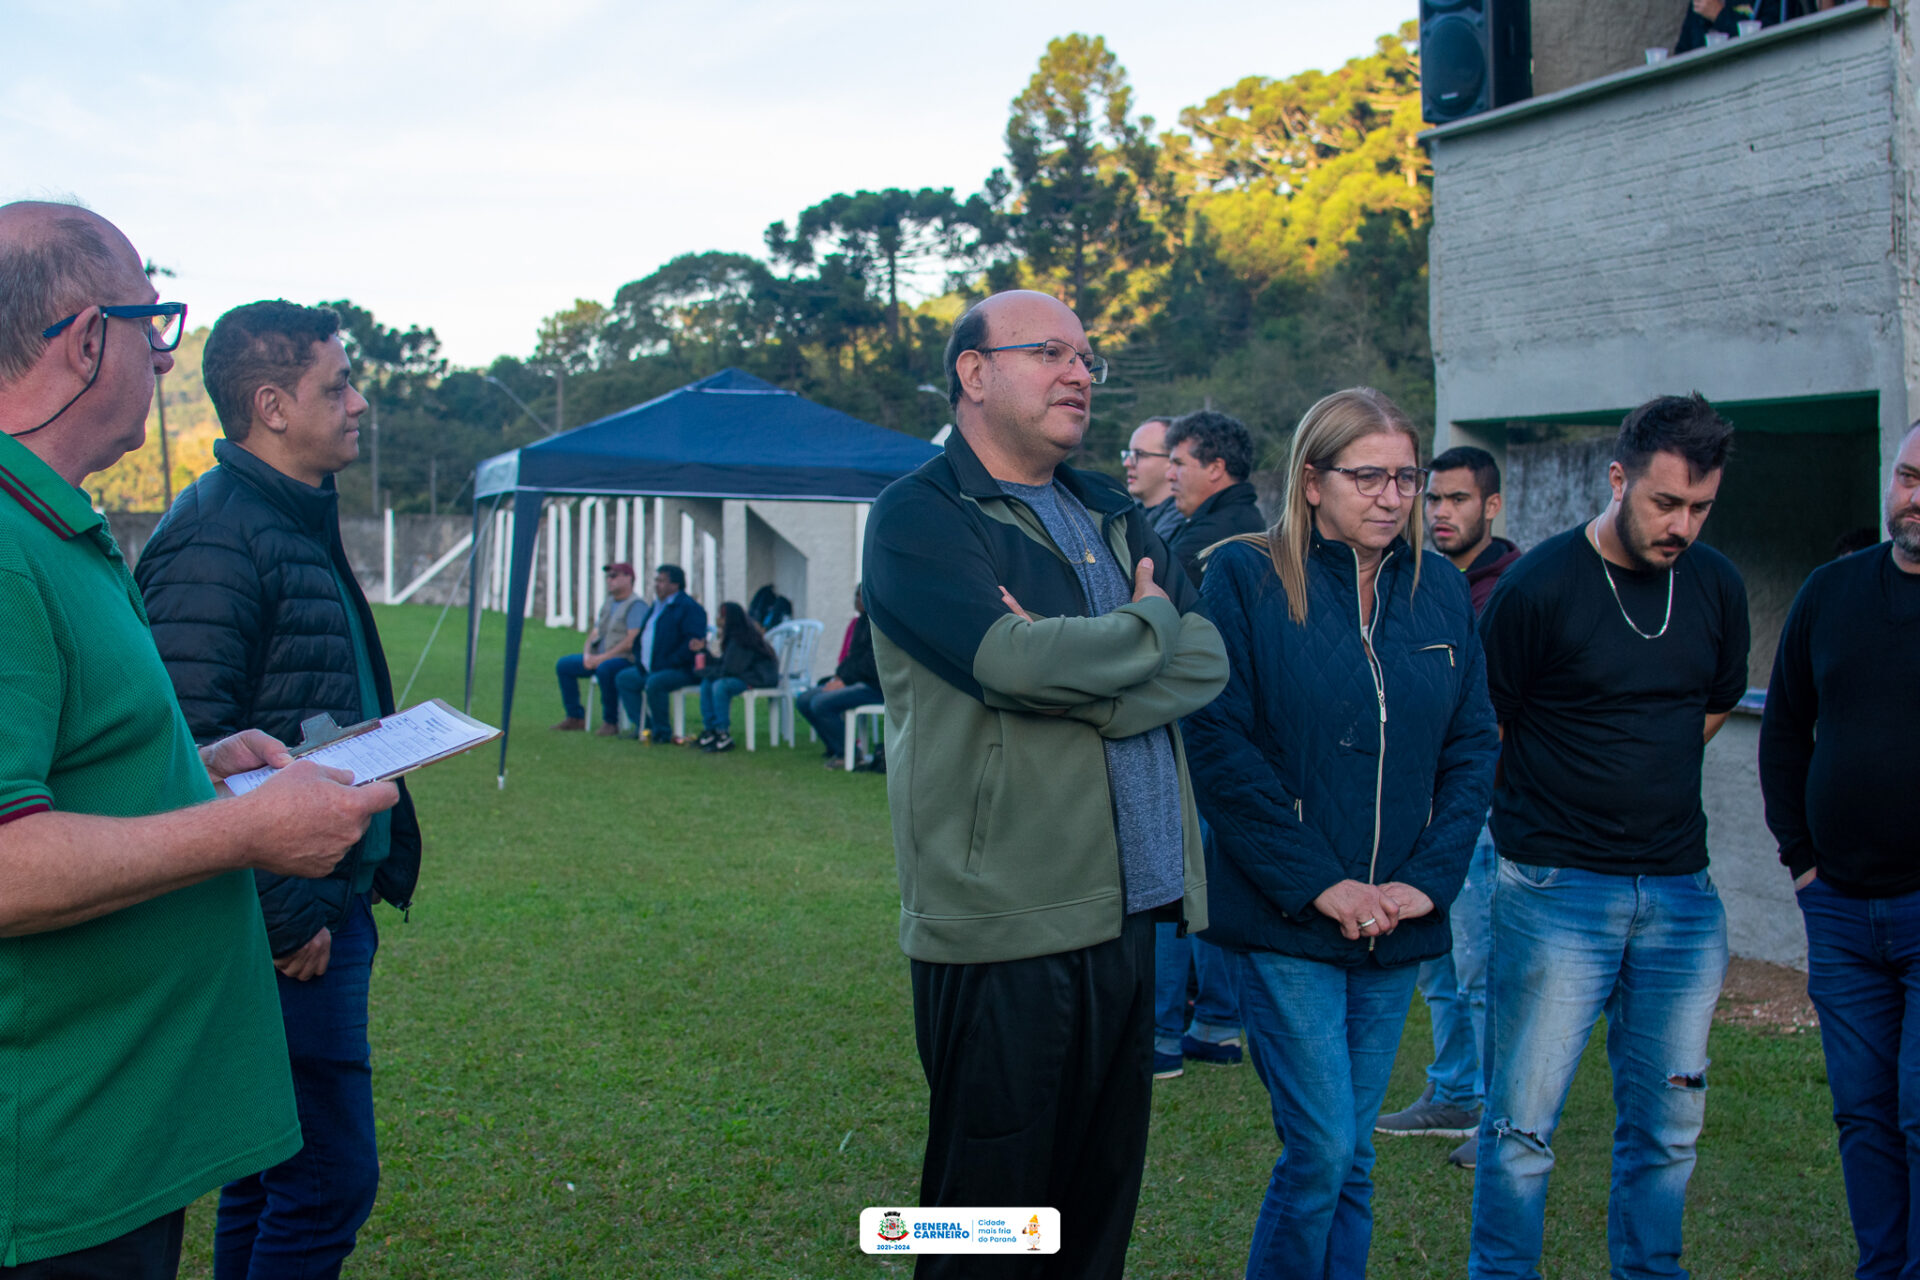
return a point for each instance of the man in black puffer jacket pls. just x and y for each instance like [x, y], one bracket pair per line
[262, 625]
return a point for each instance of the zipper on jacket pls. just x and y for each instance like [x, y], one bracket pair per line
[1379, 693]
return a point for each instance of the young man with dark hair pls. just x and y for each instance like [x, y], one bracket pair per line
[1835, 758]
[1615, 651]
[664, 655]
[1463, 497]
[1050, 820]
[262, 625]
[1210, 456]
[1463, 500]
[145, 1059]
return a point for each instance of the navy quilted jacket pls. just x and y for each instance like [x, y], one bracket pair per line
[239, 584]
[1309, 776]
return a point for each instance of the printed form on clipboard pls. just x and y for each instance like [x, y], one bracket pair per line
[375, 750]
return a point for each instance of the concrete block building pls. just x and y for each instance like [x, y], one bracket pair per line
[1737, 221]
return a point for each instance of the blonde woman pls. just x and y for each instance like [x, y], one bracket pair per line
[1345, 770]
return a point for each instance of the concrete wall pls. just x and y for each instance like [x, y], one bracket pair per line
[1737, 221]
[810, 551]
[1762, 919]
[1732, 221]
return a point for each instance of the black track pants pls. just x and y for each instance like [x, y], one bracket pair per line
[1040, 1073]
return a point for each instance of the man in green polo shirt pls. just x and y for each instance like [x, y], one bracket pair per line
[141, 1056]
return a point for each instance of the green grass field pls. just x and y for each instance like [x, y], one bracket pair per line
[650, 1018]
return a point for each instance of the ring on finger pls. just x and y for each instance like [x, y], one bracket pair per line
[1362, 924]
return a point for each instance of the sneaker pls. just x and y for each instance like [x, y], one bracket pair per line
[572, 724]
[1429, 1119]
[1167, 1065]
[1222, 1053]
[705, 739]
[721, 742]
[1462, 1156]
[607, 729]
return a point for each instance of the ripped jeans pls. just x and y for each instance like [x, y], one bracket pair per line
[1648, 951]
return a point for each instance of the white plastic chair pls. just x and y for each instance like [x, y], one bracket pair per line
[802, 638]
[876, 710]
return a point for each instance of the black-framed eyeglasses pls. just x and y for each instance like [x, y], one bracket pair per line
[1054, 352]
[1372, 481]
[1130, 456]
[166, 322]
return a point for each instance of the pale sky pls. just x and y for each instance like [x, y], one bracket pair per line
[475, 165]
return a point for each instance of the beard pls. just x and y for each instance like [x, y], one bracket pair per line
[1638, 545]
[1903, 526]
[1468, 534]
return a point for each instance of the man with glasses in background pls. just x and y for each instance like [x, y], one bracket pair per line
[1036, 653]
[146, 1063]
[1145, 460]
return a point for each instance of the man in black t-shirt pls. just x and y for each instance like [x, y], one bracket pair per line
[1615, 651]
[1835, 759]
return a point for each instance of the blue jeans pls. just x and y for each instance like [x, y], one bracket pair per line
[1648, 951]
[1216, 1009]
[572, 667]
[298, 1219]
[1455, 986]
[1863, 972]
[826, 710]
[634, 683]
[1323, 1039]
[716, 701]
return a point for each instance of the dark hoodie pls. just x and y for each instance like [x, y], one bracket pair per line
[1484, 573]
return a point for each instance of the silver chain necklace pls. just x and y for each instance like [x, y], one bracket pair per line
[1620, 605]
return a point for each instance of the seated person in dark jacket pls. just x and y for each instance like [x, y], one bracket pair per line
[1210, 456]
[665, 651]
[262, 625]
[855, 683]
[746, 661]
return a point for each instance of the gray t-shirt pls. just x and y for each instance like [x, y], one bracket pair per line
[1140, 770]
[617, 617]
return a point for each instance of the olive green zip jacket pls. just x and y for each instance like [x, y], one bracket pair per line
[1003, 819]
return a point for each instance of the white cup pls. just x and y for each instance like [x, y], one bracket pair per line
[1657, 55]
[1717, 38]
[1751, 27]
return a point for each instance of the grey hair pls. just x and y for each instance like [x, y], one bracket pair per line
[46, 277]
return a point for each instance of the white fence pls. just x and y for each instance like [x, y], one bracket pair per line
[577, 536]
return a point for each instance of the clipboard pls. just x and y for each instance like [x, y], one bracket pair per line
[452, 731]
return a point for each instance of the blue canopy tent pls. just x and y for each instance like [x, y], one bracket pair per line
[730, 435]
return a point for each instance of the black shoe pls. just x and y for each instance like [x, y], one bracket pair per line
[721, 742]
[705, 740]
